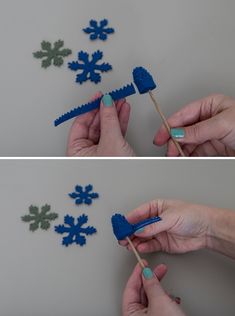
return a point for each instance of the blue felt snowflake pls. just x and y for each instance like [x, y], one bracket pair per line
[84, 196]
[89, 67]
[99, 30]
[75, 232]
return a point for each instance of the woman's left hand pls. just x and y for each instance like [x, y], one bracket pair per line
[101, 133]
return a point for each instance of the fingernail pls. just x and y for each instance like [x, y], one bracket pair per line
[107, 100]
[177, 133]
[147, 273]
[140, 231]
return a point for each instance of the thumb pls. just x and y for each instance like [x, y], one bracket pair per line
[152, 287]
[110, 126]
[156, 228]
[199, 133]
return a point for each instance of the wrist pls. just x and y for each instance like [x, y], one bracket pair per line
[221, 232]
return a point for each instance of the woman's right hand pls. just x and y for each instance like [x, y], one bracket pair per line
[184, 227]
[203, 128]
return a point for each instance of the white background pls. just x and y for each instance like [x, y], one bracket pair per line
[40, 277]
[188, 46]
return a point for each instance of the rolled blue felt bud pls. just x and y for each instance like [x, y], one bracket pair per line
[143, 80]
[122, 228]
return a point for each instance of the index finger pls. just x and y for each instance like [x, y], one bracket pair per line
[147, 210]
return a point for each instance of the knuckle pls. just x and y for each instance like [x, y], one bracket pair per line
[216, 96]
[194, 133]
[215, 100]
[153, 207]
[109, 116]
[151, 229]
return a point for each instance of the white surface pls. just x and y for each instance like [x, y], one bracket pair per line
[39, 277]
[188, 45]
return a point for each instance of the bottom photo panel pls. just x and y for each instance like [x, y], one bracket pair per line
[117, 237]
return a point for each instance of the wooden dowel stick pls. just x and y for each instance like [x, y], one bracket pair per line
[136, 253]
[166, 123]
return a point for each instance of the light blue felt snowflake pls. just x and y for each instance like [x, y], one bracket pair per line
[84, 196]
[75, 232]
[89, 67]
[99, 30]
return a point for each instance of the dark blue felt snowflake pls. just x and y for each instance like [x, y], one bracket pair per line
[75, 232]
[99, 30]
[89, 67]
[84, 196]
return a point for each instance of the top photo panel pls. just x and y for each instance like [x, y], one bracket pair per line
[126, 78]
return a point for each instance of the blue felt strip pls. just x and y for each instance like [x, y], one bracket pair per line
[116, 95]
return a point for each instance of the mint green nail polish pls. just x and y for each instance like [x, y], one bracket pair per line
[107, 100]
[139, 231]
[177, 133]
[147, 273]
